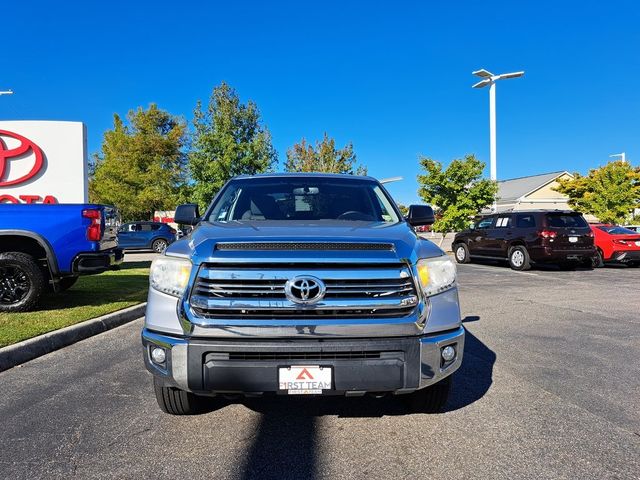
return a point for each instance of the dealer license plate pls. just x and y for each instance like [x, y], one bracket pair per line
[573, 239]
[304, 379]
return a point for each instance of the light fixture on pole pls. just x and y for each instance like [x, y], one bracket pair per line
[623, 156]
[489, 79]
[7, 92]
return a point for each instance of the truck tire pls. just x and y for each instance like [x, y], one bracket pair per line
[461, 252]
[174, 401]
[519, 258]
[431, 399]
[21, 282]
[159, 245]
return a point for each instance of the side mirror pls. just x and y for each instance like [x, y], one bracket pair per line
[420, 215]
[187, 214]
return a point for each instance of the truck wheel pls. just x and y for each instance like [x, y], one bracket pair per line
[598, 260]
[461, 252]
[519, 258]
[21, 282]
[174, 401]
[159, 245]
[431, 399]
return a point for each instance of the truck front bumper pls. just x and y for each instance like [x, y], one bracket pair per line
[399, 365]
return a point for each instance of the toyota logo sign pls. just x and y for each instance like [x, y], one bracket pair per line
[22, 152]
[304, 289]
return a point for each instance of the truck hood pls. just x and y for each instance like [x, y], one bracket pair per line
[200, 245]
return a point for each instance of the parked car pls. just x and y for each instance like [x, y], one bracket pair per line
[616, 245]
[311, 284]
[154, 236]
[46, 247]
[526, 237]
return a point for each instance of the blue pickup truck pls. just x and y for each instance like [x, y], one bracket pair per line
[46, 247]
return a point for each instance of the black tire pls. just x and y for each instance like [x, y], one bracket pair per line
[21, 282]
[519, 258]
[174, 401]
[159, 245]
[598, 260]
[431, 399]
[461, 253]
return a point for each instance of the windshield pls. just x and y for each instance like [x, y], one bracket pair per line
[303, 198]
[566, 220]
[614, 230]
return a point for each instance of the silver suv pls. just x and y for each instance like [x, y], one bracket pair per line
[302, 284]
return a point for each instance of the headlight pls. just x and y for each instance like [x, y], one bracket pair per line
[436, 274]
[170, 275]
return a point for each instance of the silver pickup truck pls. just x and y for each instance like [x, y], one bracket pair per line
[302, 284]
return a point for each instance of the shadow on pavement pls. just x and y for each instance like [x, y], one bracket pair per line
[475, 376]
[285, 442]
[284, 445]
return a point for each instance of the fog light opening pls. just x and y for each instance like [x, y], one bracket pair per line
[158, 355]
[448, 353]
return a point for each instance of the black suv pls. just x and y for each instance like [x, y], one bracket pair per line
[540, 236]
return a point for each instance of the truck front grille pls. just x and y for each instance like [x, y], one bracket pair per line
[258, 292]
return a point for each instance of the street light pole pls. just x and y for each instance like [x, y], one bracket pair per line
[492, 131]
[489, 79]
[623, 156]
[7, 92]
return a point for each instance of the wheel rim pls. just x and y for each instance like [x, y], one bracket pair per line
[159, 246]
[517, 258]
[460, 253]
[14, 285]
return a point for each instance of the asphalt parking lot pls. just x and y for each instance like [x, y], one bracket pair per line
[549, 388]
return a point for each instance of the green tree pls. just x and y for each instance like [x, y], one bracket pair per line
[229, 140]
[609, 193]
[141, 165]
[324, 157]
[404, 210]
[457, 193]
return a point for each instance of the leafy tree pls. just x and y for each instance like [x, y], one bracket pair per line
[404, 210]
[324, 157]
[141, 165]
[229, 140]
[610, 193]
[458, 192]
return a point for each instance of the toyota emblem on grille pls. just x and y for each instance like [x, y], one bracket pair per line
[304, 289]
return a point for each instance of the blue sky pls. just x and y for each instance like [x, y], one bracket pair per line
[392, 77]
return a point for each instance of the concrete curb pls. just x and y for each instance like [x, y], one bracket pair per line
[22, 352]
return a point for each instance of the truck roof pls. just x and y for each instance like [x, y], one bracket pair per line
[307, 174]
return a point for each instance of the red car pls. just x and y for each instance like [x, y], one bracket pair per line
[616, 245]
